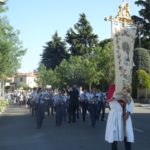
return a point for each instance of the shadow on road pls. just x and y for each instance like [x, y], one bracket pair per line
[18, 132]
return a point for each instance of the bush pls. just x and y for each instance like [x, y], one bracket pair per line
[143, 79]
[3, 104]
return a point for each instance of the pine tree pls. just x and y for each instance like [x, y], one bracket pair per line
[81, 39]
[54, 52]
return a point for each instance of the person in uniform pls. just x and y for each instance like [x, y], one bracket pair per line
[93, 107]
[46, 97]
[51, 101]
[60, 107]
[33, 97]
[84, 104]
[101, 105]
[40, 108]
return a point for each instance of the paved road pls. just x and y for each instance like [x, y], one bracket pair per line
[18, 132]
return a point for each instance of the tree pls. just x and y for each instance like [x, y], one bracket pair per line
[143, 79]
[141, 59]
[141, 62]
[106, 59]
[69, 71]
[47, 77]
[78, 70]
[42, 76]
[23, 86]
[54, 52]
[11, 49]
[145, 20]
[81, 39]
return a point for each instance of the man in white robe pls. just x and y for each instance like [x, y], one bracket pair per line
[115, 125]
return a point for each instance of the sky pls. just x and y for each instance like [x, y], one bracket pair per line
[38, 20]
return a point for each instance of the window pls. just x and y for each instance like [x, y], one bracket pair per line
[21, 79]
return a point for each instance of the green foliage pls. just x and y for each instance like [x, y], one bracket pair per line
[54, 52]
[81, 39]
[42, 76]
[23, 86]
[3, 104]
[53, 78]
[70, 71]
[143, 79]
[106, 59]
[78, 70]
[142, 59]
[11, 49]
[90, 61]
[145, 20]
[47, 77]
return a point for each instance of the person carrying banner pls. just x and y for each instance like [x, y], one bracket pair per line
[119, 125]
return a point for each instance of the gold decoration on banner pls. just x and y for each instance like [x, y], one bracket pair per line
[123, 15]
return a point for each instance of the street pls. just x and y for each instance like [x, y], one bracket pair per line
[18, 132]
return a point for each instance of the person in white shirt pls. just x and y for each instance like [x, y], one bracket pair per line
[119, 125]
[33, 97]
[84, 103]
[59, 102]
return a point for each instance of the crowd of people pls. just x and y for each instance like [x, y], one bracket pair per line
[72, 103]
[67, 105]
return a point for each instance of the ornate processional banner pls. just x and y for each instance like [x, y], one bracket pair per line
[123, 41]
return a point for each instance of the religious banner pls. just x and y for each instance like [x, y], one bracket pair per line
[123, 42]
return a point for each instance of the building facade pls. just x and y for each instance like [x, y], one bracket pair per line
[29, 79]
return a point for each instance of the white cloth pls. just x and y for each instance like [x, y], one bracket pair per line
[123, 43]
[115, 127]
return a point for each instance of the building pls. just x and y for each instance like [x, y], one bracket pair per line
[29, 79]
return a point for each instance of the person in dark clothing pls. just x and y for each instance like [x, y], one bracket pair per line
[84, 104]
[93, 108]
[40, 109]
[73, 103]
[101, 105]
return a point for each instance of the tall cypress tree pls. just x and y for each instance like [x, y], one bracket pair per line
[54, 52]
[81, 39]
